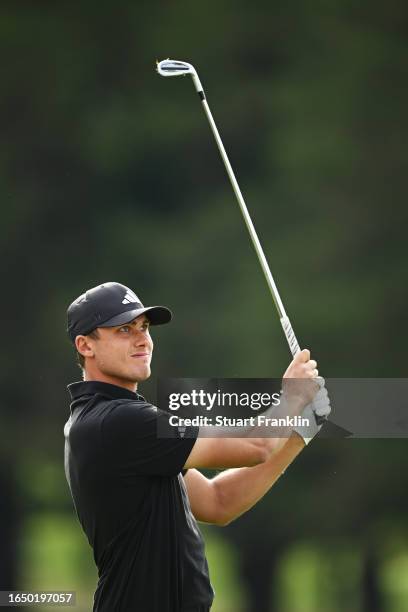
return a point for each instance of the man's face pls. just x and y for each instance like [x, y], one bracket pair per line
[122, 354]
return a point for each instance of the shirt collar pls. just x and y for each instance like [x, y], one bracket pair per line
[91, 387]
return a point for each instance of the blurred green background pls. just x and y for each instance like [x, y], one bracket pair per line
[108, 172]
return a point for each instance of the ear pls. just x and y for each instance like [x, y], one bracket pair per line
[83, 346]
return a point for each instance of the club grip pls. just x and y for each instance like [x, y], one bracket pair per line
[290, 336]
[295, 348]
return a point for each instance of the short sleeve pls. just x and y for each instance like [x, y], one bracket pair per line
[130, 437]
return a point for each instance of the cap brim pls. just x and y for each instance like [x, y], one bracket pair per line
[157, 315]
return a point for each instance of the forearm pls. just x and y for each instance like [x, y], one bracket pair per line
[238, 489]
[274, 425]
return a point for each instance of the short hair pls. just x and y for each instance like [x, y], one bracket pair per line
[94, 334]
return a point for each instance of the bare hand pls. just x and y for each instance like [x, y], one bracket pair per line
[299, 379]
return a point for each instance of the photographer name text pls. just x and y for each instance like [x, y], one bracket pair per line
[223, 421]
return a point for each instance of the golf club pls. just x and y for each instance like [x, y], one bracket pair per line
[171, 68]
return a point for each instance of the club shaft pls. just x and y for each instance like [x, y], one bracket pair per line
[286, 326]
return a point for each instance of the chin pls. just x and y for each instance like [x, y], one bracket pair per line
[141, 376]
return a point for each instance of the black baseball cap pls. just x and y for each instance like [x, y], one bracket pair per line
[108, 305]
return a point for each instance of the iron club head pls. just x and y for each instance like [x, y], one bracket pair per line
[169, 68]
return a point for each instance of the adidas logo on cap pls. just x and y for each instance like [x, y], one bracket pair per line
[130, 297]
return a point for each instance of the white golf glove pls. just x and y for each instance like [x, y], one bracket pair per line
[319, 408]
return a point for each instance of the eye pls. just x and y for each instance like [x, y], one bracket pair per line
[124, 329]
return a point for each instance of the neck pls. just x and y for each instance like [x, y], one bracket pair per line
[112, 380]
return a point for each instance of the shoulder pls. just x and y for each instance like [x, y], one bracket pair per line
[130, 410]
[130, 418]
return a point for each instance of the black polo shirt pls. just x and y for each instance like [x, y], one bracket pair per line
[132, 503]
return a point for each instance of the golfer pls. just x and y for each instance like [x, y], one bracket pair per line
[138, 496]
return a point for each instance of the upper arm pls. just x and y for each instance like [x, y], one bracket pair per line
[203, 497]
[138, 440]
[227, 453]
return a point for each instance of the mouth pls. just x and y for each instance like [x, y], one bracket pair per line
[140, 355]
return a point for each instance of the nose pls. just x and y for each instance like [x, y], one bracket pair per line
[142, 337]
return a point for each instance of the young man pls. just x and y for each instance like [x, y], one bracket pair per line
[138, 496]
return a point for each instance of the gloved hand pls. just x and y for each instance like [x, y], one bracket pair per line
[321, 403]
[316, 413]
